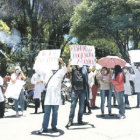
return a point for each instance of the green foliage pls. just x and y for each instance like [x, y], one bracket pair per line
[116, 20]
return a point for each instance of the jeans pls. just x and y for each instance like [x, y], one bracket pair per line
[138, 98]
[126, 99]
[21, 100]
[81, 95]
[47, 109]
[114, 98]
[105, 93]
[2, 109]
[120, 98]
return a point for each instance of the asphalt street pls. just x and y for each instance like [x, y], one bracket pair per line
[97, 127]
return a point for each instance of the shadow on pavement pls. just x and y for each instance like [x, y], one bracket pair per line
[77, 126]
[50, 133]
[106, 116]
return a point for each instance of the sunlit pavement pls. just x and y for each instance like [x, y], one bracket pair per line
[97, 128]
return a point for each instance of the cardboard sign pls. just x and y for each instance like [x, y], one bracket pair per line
[134, 55]
[47, 60]
[82, 55]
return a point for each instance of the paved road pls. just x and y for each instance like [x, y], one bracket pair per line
[98, 128]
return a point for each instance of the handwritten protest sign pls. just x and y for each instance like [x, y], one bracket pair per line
[47, 60]
[82, 55]
[134, 55]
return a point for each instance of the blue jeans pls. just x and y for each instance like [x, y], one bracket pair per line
[138, 98]
[120, 98]
[74, 99]
[126, 99]
[21, 100]
[114, 98]
[103, 94]
[47, 109]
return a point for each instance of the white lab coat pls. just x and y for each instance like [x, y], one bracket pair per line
[91, 82]
[127, 86]
[39, 87]
[1, 94]
[53, 91]
[136, 79]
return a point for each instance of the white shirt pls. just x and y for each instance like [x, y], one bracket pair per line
[53, 92]
[39, 87]
[1, 94]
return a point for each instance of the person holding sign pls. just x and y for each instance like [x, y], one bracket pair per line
[53, 97]
[78, 92]
[15, 89]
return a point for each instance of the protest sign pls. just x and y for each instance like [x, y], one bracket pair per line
[47, 60]
[134, 56]
[82, 55]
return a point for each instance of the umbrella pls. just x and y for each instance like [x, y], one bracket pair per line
[111, 61]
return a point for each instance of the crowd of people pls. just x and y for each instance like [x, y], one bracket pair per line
[86, 81]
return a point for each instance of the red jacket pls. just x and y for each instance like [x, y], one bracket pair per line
[118, 82]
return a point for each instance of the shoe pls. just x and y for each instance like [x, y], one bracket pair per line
[122, 117]
[118, 115]
[17, 115]
[137, 106]
[69, 124]
[81, 122]
[110, 114]
[55, 129]
[42, 131]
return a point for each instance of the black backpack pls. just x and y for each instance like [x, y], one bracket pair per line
[77, 80]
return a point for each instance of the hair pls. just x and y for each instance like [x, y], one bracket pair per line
[105, 69]
[117, 70]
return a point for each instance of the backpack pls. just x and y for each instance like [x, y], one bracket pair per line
[77, 80]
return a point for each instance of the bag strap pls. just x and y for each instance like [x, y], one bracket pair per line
[50, 79]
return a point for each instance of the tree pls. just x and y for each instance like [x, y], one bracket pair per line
[42, 24]
[118, 20]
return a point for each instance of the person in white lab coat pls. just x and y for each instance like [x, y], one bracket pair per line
[37, 80]
[53, 98]
[127, 86]
[137, 82]
[2, 104]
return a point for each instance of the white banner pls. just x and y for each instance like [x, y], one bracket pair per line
[47, 60]
[13, 90]
[82, 55]
[134, 55]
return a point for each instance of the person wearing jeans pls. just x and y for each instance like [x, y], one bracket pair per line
[118, 82]
[104, 80]
[74, 99]
[47, 109]
[21, 100]
[105, 93]
[53, 97]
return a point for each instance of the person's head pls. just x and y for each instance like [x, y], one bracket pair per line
[117, 70]
[104, 71]
[125, 69]
[17, 70]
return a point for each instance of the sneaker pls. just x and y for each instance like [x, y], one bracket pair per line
[122, 117]
[55, 129]
[23, 114]
[42, 131]
[69, 124]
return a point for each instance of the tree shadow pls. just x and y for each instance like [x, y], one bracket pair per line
[50, 133]
[106, 116]
[77, 126]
